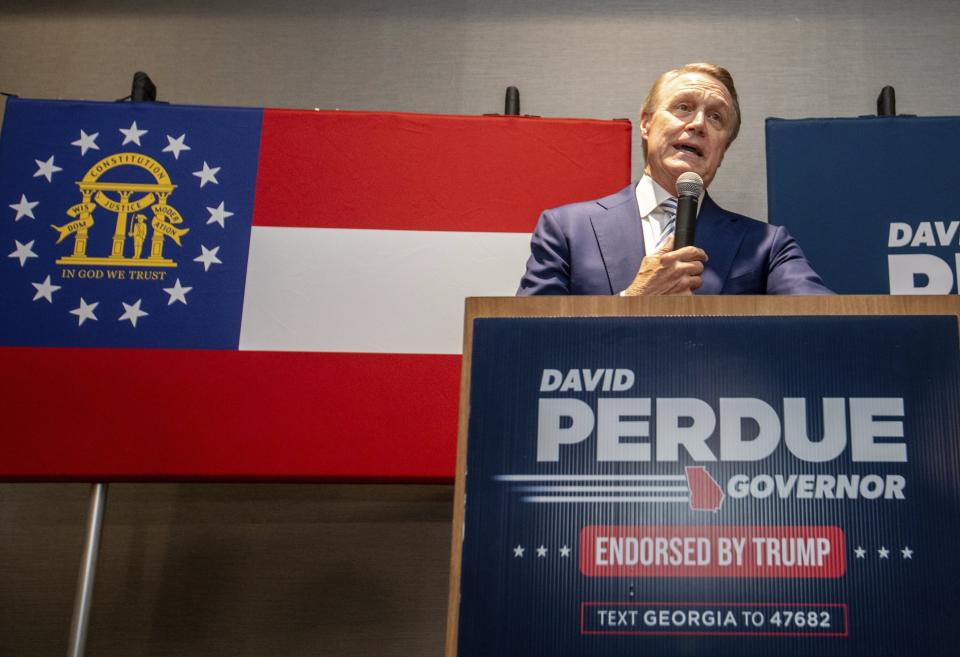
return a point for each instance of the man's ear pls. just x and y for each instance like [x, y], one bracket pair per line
[644, 124]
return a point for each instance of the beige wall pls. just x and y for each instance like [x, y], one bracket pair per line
[583, 58]
[358, 570]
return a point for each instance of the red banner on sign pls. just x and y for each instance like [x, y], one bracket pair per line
[803, 552]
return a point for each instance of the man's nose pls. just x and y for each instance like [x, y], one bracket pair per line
[697, 121]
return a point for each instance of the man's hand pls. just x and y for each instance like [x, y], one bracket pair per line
[669, 272]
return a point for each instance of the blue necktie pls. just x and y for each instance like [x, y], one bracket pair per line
[670, 209]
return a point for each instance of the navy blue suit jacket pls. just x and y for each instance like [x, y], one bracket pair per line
[596, 248]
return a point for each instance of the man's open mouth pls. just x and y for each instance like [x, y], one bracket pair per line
[689, 149]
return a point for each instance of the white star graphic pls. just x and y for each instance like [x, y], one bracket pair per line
[23, 251]
[207, 174]
[176, 146]
[46, 169]
[564, 551]
[132, 312]
[177, 293]
[907, 553]
[86, 142]
[883, 552]
[541, 551]
[24, 208]
[132, 134]
[45, 290]
[85, 311]
[518, 551]
[860, 552]
[207, 257]
[218, 214]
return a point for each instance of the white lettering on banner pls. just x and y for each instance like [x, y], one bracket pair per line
[606, 379]
[611, 427]
[922, 273]
[819, 487]
[792, 551]
[623, 429]
[652, 551]
[733, 413]
[550, 435]
[670, 435]
[927, 233]
[831, 445]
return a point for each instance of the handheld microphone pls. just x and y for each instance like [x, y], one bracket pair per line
[689, 188]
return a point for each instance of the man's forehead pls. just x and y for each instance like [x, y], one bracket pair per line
[695, 83]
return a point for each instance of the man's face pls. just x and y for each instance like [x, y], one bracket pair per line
[689, 130]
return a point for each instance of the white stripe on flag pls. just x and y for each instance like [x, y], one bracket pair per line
[374, 291]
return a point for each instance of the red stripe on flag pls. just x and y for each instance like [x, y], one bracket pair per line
[122, 414]
[425, 172]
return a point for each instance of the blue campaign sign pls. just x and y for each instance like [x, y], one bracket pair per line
[125, 224]
[776, 487]
[870, 200]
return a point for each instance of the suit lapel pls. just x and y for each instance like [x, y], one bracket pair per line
[616, 224]
[719, 233]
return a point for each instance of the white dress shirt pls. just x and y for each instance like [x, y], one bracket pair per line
[653, 218]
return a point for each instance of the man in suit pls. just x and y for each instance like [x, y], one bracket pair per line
[623, 243]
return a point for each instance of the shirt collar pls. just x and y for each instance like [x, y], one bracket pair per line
[650, 195]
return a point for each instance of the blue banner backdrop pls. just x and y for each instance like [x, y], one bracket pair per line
[870, 200]
[720, 486]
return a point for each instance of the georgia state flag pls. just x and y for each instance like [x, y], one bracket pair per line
[192, 292]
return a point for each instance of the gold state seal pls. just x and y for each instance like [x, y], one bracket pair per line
[133, 198]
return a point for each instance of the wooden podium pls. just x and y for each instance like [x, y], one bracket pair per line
[896, 467]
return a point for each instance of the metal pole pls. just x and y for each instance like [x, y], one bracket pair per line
[88, 568]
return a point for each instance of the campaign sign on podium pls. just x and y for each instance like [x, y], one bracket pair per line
[715, 485]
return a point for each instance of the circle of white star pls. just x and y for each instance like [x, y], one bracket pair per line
[207, 174]
[23, 252]
[860, 552]
[24, 208]
[177, 293]
[132, 134]
[208, 257]
[883, 552]
[45, 290]
[132, 312]
[218, 215]
[86, 142]
[907, 553]
[46, 169]
[518, 551]
[541, 551]
[565, 551]
[175, 146]
[85, 311]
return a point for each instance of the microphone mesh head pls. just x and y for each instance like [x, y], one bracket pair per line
[689, 184]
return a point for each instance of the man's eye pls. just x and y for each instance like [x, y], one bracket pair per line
[683, 107]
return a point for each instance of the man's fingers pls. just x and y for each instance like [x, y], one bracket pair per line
[669, 272]
[691, 253]
[686, 254]
[694, 267]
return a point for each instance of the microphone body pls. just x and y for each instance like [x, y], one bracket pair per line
[689, 188]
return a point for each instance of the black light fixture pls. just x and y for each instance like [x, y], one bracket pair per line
[143, 89]
[887, 102]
